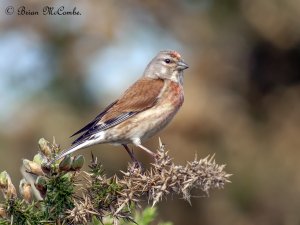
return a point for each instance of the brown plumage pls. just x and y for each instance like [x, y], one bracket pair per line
[141, 95]
[144, 109]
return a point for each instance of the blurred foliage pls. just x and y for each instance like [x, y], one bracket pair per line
[241, 92]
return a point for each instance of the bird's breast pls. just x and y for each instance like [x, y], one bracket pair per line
[168, 104]
[173, 94]
[147, 123]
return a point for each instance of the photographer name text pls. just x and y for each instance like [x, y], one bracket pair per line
[46, 10]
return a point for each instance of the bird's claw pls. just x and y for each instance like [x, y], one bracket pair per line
[137, 165]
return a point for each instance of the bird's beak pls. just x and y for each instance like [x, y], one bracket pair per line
[182, 65]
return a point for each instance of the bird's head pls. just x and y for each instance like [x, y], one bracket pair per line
[166, 64]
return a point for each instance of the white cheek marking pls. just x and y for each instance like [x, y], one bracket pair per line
[174, 76]
[177, 77]
[163, 70]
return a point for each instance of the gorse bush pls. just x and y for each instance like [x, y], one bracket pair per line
[61, 193]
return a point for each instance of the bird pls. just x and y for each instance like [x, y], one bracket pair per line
[143, 110]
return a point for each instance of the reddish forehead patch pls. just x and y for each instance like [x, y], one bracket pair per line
[175, 55]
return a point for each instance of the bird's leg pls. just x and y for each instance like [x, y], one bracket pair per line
[132, 156]
[130, 152]
[146, 150]
[137, 142]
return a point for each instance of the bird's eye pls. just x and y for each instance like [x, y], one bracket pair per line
[167, 61]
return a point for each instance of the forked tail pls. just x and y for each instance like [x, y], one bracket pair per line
[68, 151]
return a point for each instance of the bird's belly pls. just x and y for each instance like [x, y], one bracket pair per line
[152, 121]
[143, 125]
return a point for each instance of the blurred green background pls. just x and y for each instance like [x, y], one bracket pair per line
[242, 92]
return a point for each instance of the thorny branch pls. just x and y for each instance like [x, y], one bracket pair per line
[100, 196]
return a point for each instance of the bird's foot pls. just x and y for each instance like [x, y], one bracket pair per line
[135, 162]
[137, 165]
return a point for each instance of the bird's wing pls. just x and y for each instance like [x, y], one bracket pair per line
[140, 96]
[94, 121]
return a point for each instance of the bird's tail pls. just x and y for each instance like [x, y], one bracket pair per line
[68, 151]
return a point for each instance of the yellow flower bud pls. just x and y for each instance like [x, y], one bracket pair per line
[44, 147]
[7, 186]
[65, 164]
[32, 167]
[25, 190]
[2, 212]
[3, 179]
[38, 158]
[78, 162]
[41, 184]
[46, 168]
